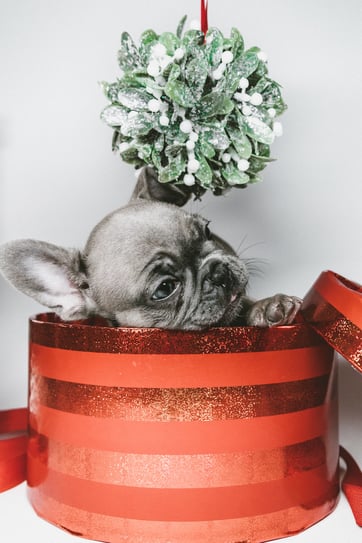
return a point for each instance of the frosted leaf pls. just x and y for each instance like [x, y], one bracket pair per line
[133, 99]
[217, 138]
[234, 176]
[181, 26]
[204, 172]
[215, 103]
[237, 41]
[241, 143]
[247, 64]
[137, 125]
[214, 46]
[128, 55]
[258, 130]
[114, 115]
[170, 42]
[148, 39]
[196, 75]
[180, 93]
[173, 170]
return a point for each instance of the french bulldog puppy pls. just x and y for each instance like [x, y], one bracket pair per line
[148, 264]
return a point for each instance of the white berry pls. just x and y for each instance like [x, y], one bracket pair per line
[159, 50]
[226, 157]
[243, 165]
[246, 110]
[154, 105]
[190, 145]
[153, 68]
[186, 126]
[193, 136]
[164, 121]
[272, 112]
[193, 165]
[218, 73]
[179, 53]
[189, 179]
[227, 57]
[256, 99]
[243, 83]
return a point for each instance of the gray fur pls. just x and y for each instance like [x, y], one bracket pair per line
[132, 256]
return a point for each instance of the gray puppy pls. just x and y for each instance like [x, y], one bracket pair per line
[149, 263]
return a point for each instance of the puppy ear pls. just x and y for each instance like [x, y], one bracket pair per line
[53, 276]
[149, 188]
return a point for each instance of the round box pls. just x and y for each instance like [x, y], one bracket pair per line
[148, 435]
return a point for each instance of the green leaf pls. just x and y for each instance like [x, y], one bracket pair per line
[180, 27]
[229, 83]
[237, 47]
[170, 41]
[180, 93]
[247, 64]
[137, 124]
[148, 38]
[173, 150]
[192, 39]
[175, 73]
[173, 170]
[215, 103]
[272, 97]
[204, 147]
[240, 142]
[204, 173]
[258, 130]
[217, 138]
[214, 46]
[196, 75]
[234, 176]
[134, 99]
[128, 55]
[110, 90]
[114, 115]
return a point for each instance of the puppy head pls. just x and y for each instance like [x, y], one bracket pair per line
[149, 263]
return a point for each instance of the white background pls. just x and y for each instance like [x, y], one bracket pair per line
[58, 176]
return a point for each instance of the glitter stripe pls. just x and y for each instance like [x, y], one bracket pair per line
[344, 336]
[181, 371]
[182, 437]
[343, 294]
[46, 329]
[185, 471]
[196, 504]
[255, 529]
[181, 404]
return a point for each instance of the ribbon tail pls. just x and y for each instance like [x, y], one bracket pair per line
[352, 485]
[13, 447]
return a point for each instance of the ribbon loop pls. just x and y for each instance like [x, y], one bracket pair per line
[13, 446]
[352, 485]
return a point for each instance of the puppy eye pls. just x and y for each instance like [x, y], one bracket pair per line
[165, 289]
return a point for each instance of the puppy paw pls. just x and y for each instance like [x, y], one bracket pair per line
[274, 311]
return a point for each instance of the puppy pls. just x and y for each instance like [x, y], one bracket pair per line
[148, 264]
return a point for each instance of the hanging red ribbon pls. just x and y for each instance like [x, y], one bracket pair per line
[204, 23]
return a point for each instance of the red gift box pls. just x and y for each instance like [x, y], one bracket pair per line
[140, 435]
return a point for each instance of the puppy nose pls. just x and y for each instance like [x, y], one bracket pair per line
[218, 276]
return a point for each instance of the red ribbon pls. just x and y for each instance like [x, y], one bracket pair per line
[13, 428]
[204, 23]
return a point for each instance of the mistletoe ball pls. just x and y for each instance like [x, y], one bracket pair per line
[200, 109]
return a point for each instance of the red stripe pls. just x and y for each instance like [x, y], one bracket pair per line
[191, 504]
[344, 295]
[105, 528]
[181, 437]
[12, 472]
[188, 471]
[181, 371]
